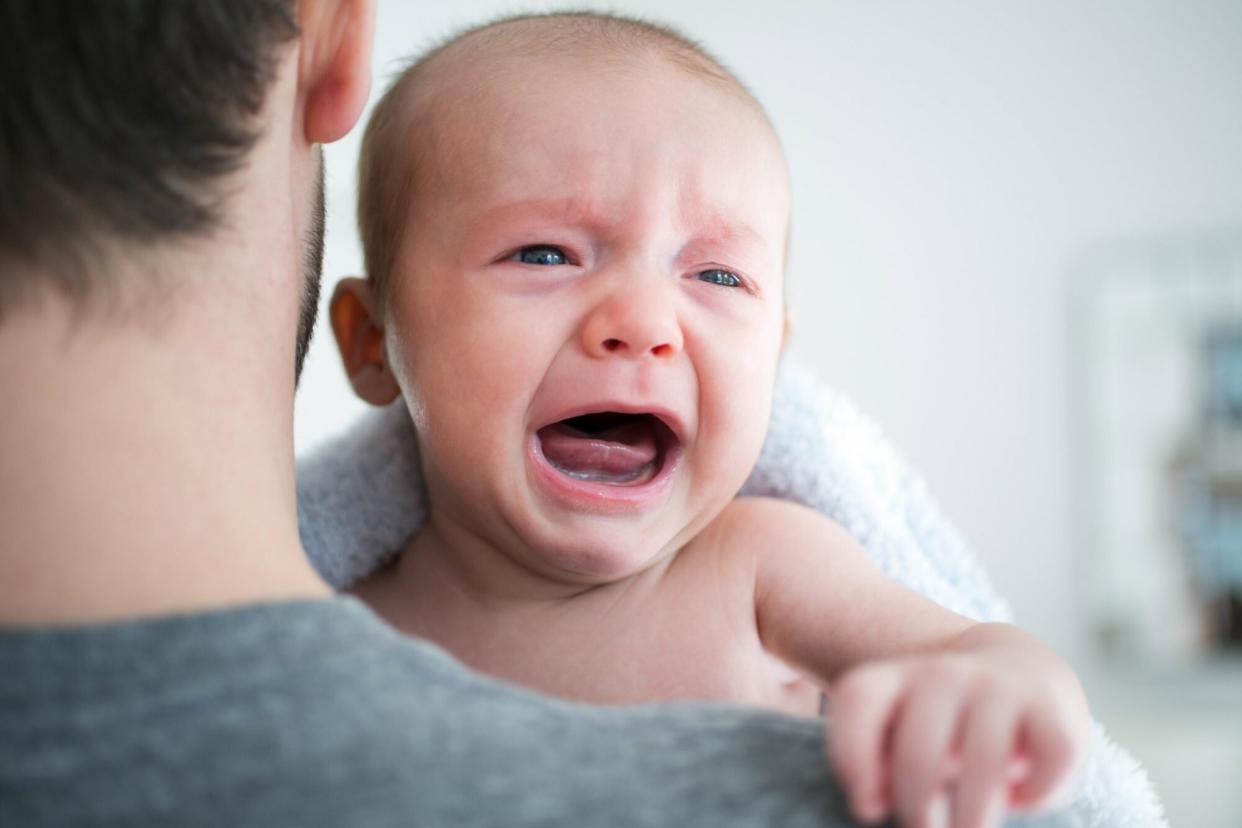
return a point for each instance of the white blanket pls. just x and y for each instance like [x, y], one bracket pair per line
[360, 498]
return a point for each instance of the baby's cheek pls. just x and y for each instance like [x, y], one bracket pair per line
[735, 418]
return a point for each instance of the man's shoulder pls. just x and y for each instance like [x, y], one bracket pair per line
[319, 714]
[203, 662]
[289, 703]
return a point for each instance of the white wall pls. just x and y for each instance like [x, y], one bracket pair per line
[950, 161]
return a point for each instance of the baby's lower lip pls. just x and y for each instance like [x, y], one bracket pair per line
[580, 492]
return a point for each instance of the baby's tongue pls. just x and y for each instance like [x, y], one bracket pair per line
[623, 453]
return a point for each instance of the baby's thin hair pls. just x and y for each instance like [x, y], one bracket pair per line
[389, 168]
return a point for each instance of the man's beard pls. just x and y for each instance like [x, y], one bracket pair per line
[312, 274]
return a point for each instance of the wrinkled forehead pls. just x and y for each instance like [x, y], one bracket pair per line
[586, 131]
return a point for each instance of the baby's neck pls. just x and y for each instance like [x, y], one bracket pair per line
[459, 590]
[481, 571]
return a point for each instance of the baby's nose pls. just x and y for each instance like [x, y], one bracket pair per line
[633, 324]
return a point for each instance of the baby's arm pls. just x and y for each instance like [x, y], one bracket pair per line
[924, 702]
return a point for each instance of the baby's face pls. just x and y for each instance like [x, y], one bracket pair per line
[586, 310]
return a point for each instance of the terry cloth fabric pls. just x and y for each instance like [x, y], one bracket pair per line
[360, 497]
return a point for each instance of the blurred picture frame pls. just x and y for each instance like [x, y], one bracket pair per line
[1156, 419]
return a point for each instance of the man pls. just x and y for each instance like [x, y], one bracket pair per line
[167, 653]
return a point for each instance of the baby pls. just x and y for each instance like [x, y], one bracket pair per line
[575, 228]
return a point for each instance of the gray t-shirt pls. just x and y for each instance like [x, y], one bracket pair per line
[316, 713]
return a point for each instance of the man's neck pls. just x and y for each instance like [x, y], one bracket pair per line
[142, 472]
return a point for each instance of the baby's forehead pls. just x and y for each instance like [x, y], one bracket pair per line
[501, 127]
[511, 103]
[478, 95]
[504, 62]
[437, 123]
[520, 147]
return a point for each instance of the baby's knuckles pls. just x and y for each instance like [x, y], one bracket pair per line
[1040, 690]
[954, 670]
[1054, 720]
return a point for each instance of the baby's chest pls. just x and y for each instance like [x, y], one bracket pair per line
[694, 638]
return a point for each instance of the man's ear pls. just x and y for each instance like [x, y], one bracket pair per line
[360, 338]
[334, 65]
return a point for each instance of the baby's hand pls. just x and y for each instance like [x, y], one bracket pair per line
[957, 737]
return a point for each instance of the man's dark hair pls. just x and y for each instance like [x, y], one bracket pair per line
[312, 273]
[119, 121]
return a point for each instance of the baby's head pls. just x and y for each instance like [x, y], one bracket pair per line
[574, 228]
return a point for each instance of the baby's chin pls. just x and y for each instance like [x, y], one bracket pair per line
[576, 545]
[598, 555]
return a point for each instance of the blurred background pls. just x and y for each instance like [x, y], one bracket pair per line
[1018, 246]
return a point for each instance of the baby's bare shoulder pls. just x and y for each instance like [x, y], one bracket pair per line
[765, 520]
[751, 527]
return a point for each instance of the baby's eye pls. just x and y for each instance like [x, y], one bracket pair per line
[541, 254]
[719, 277]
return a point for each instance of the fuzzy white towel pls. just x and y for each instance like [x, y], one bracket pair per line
[360, 498]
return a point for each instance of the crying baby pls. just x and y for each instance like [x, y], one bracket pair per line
[575, 228]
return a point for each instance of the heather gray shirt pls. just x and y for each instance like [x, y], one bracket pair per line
[316, 713]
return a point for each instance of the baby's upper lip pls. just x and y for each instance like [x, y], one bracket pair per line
[676, 422]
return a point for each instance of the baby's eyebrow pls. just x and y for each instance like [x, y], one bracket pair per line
[724, 233]
[716, 230]
[717, 223]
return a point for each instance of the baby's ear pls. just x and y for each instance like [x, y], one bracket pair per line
[786, 330]
[360, 338]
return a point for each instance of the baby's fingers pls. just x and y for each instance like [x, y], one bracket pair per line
[1053, 756]
[922, 742]
[988, 737]
[861, 706]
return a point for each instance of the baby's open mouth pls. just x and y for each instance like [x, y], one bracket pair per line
[608, 447]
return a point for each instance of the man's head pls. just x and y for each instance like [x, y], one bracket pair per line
[125, 127]
[575, 229]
